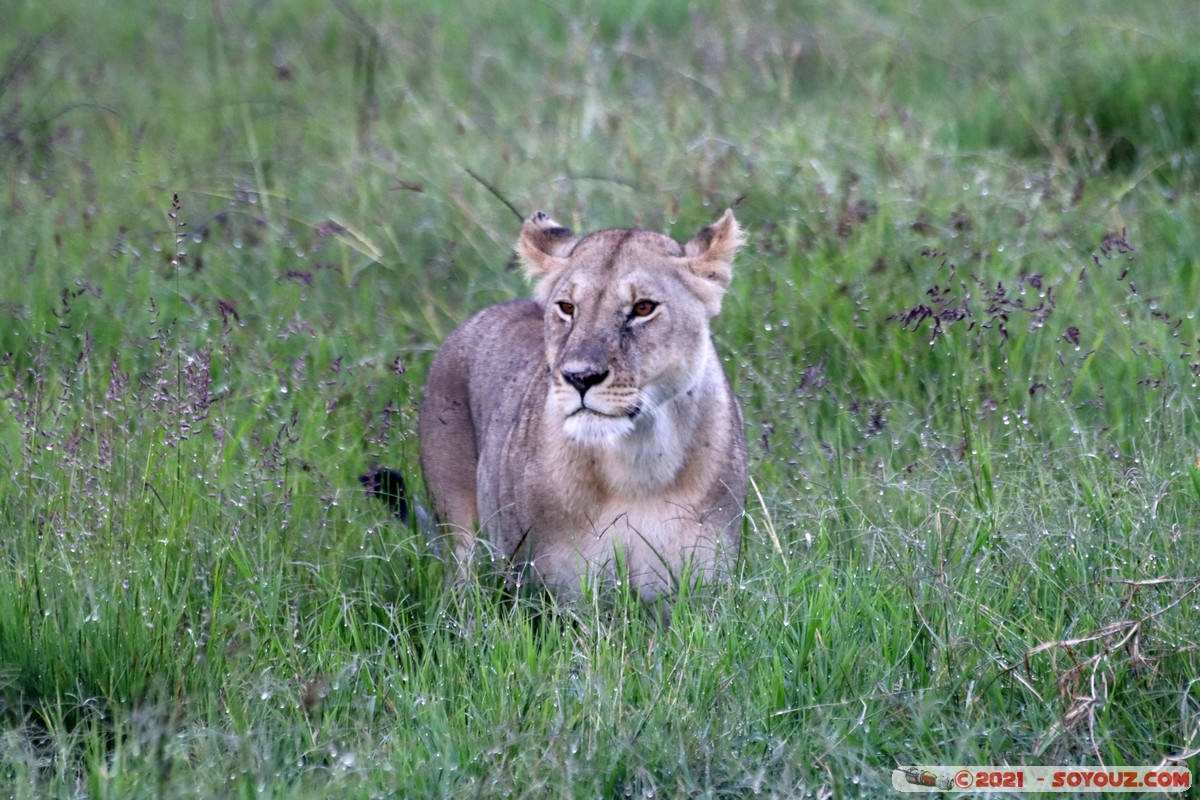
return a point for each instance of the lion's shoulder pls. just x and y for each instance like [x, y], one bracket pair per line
[493, 337]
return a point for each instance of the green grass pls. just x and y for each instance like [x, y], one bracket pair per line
[971, 541]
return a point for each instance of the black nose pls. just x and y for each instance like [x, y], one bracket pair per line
[584, 379]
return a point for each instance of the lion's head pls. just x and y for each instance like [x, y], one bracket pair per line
[626, 318]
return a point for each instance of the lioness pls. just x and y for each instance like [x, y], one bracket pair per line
[593, 425]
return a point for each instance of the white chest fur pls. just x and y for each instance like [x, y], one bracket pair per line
[651, 542]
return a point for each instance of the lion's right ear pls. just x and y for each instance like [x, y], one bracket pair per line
[543, 248]
[708, 258]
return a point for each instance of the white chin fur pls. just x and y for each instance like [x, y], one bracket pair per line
[593, 429]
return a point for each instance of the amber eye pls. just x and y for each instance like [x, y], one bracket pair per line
[567, 309]
[642, 308]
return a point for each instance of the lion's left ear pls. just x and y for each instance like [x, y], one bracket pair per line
[543, 248]
[709, 257]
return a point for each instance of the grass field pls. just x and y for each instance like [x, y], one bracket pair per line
[964, 335]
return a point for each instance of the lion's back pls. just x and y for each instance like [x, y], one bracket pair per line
[489, 361]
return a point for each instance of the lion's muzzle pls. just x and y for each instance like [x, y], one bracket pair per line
[583, 377]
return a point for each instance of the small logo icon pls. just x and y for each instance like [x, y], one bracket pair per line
[923, 777]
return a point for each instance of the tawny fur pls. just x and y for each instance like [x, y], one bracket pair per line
[641, 461]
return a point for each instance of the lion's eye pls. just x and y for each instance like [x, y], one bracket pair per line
[643, 308]
[567, 309]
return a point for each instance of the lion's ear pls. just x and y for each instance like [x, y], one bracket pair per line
[543, 247]
[709, 257]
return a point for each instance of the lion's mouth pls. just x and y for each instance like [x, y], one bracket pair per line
[592, 427]
[589, 411]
